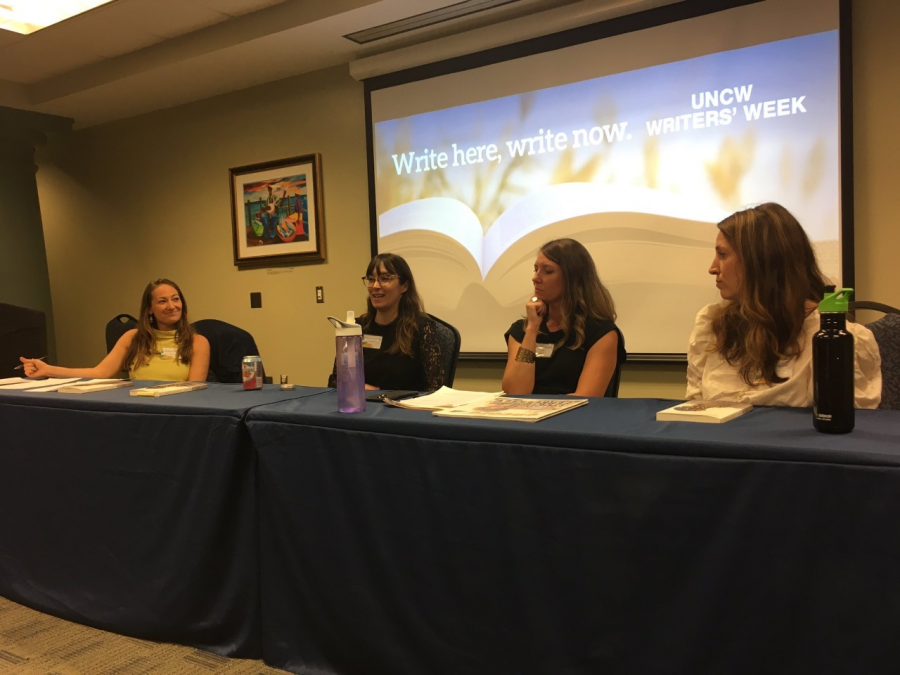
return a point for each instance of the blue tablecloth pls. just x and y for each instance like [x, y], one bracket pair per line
[136, 515]
[598, 541]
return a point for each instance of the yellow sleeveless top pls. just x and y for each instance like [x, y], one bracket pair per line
[162, 365]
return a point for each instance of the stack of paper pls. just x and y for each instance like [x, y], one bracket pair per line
[445, 397]
[24, 384]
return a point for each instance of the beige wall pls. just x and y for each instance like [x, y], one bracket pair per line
[876, 157]
[133, 200]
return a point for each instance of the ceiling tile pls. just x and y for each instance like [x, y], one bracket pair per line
[237, 7]
[124, 40]
[7, 37]
[118, 60]
[45, 53]
[164, 18]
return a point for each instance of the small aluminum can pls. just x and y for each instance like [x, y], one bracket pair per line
[252, 372]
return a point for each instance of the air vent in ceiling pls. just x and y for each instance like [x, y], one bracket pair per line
[431, 18]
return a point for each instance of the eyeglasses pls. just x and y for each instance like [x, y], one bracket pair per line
[383, 279]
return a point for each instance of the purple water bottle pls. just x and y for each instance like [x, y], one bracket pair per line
[351, 380]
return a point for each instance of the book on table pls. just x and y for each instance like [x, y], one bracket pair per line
[706, 412]
[88, 386]
[499, 407]
[167, 389]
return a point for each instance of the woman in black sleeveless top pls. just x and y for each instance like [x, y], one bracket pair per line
[568, 342]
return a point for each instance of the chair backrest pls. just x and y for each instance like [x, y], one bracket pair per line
[23, 332]
[228, 345]
[450, 341]
[887, 334]
[877, 306]
[612, 389]
[117, 327]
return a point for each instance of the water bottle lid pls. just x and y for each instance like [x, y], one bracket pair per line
[836, 301]
[345, 328]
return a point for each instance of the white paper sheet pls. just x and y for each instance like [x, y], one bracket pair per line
[39, 385]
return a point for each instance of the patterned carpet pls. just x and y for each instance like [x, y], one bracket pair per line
[32, 643]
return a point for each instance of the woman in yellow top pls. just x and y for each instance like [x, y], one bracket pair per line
[164, 346]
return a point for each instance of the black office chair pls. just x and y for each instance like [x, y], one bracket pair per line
[887, 335]
[868, 304]
[23, 332]
[117, 327]
[228, 345]
[612, 390]
[450, 340]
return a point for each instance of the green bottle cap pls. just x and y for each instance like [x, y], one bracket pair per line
[836, 301]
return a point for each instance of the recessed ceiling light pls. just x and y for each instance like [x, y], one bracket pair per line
[28, 16]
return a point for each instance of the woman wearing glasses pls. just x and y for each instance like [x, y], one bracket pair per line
[568, 342]
[401, 349]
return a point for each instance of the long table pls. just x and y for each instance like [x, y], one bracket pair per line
[598, 541]
[136, 515]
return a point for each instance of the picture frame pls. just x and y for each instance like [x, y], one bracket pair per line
[277, 212]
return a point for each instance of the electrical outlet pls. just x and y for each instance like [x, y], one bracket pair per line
[320, 294]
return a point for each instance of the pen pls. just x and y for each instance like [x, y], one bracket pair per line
[22, 365]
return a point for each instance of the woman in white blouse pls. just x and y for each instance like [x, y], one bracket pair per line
[756, 346]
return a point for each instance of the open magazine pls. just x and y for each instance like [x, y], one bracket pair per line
[517, 409]
[447, 402]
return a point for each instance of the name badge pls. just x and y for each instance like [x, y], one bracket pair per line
[543, 351]
[169, 352]
[372, 341]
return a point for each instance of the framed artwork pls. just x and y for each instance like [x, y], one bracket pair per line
[277, 212]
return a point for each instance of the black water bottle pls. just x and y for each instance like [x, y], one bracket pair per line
[833, 411]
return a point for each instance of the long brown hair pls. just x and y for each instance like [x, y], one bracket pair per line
[584, 295]
[411, 309]
[142, 345]
[780, 276]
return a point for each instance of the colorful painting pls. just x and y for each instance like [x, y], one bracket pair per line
[277, 212]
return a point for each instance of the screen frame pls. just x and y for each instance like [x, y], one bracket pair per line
[629, 23]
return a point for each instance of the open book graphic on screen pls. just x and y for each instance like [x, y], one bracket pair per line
[457, 268]
[546, 214]
[641, 240]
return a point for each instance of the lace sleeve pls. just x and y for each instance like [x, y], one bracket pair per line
[432, 360]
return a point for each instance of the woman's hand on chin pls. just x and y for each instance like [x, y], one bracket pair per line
[534, 311]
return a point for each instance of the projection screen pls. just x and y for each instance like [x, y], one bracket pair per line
[636, 144]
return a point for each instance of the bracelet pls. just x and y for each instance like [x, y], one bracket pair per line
[525, 355]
